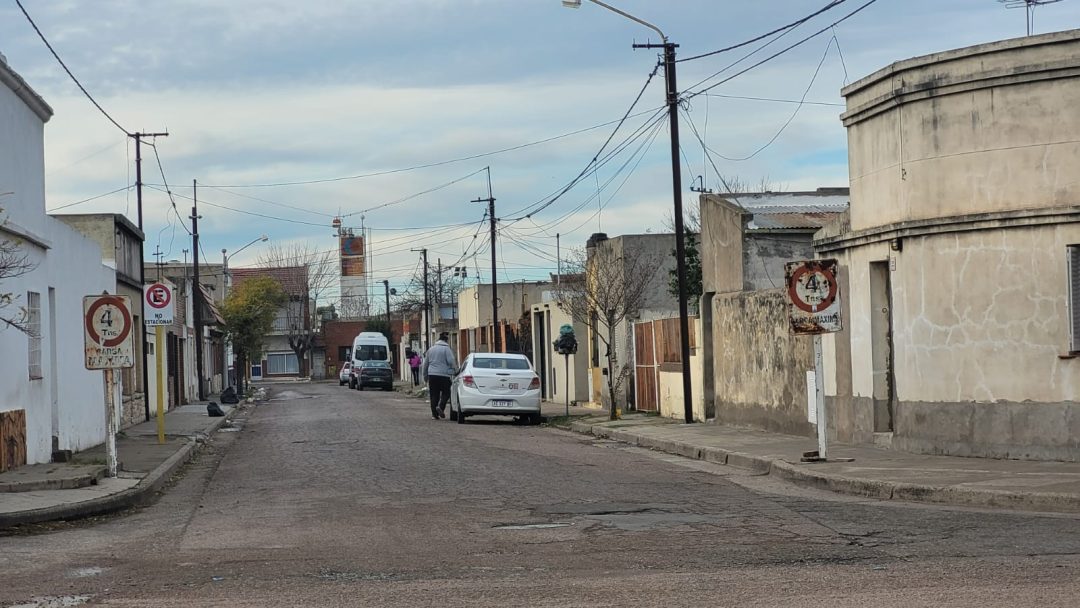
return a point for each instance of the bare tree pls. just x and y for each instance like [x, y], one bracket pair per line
[13, 263]
[614, 289]
[301, 308]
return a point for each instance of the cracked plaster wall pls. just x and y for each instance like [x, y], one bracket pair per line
[981, 316]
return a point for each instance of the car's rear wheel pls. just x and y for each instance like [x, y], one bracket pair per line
[460, 415]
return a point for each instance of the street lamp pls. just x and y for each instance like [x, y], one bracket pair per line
[676, 183]
[225, 260]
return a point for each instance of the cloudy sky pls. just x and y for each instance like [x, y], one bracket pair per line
[390, 111]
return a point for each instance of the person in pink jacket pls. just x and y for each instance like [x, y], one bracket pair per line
[414, 363]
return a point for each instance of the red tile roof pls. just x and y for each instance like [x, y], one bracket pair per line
[293, 279]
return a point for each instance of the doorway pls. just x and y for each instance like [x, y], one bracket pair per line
[541, 351]
[881, 338]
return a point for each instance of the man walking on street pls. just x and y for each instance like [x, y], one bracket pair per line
[438, 369]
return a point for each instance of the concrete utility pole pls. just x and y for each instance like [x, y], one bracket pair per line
[680, 235]
[496, 341]
[676, 183]
[142, 260]
[196, 291]
[427, 304]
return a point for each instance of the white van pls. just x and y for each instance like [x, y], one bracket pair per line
[369, 346]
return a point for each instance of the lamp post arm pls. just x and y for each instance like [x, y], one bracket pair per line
[631, 17]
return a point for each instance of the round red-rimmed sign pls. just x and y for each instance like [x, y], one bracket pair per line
[91, 321]
[812, 288]
[158, 296]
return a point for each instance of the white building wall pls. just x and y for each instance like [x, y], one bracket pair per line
[68, 401]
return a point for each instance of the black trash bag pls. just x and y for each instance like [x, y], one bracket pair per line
[229, 396]
[214, 410]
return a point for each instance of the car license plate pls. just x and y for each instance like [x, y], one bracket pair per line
[502, 404]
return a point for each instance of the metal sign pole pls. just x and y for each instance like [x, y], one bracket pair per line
[566, 358]
[819, 396]
[110, 421]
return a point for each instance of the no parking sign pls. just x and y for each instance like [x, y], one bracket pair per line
[159, 304]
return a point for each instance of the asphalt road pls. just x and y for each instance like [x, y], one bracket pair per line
[332, 497]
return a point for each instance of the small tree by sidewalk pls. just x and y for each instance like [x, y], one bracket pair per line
[249, 313]
[13, 263]
[613, 289]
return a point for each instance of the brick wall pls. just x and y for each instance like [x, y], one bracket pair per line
[336, 335]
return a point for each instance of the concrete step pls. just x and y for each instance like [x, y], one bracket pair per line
[52, 476]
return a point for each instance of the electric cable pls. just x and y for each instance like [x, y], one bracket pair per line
[64, 65]
[693, 94]
[433, 164]
[789, 26]
[791, 118]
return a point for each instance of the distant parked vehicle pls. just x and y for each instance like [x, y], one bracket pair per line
[373, 373]
[343, 375]
[495, 384]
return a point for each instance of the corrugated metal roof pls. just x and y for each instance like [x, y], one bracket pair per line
[790, 199]
[792, 210]
[788, 220]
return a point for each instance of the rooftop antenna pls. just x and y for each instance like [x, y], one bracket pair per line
[1029, 9]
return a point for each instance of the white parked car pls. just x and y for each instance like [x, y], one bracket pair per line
[343, 375]
[495, 384]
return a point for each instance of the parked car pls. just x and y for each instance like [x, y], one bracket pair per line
[343, 375]
[495, 384]
[372, 373]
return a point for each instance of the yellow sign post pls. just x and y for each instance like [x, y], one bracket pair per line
[159, 341]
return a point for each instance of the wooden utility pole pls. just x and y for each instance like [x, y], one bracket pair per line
[496, 341]
[142, 260]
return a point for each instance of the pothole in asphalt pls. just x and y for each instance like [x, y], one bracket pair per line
[291, 395]
[347, 576]
[532, 526]
[85, 572]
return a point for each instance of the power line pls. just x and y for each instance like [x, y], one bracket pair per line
[168, 191]
[790, 118]
[433, 164]
[789, 26]
[596, 156]
[773, 99]
[63, 65]
[92, 198]
[412, 196]
[781, 52]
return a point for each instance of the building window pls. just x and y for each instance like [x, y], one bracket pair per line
[1073, 262]
[594, 338]
[282, 363]
[33, 330]
[343, 353]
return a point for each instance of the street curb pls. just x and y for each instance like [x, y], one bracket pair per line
[141, 494]
[802, 475]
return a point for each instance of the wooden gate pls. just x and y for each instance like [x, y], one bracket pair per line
[646, 372]
[12, 439]
[657, 348]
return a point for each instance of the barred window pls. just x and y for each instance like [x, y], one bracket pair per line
[33, 330]
[1073, 264]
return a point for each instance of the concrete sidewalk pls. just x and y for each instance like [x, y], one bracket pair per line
[55, 491]
[875, 473]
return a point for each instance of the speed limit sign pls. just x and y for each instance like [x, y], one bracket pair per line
[813, 297]
[107, 332]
